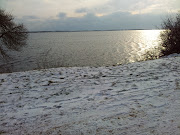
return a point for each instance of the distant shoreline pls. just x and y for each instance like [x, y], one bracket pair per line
[87, 30]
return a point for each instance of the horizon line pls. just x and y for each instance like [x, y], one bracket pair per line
[43, 31]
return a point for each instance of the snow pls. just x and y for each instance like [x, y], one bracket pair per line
[138, 98]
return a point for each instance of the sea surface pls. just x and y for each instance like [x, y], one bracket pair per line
[76, 49]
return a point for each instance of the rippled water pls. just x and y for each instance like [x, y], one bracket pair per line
[96, 48]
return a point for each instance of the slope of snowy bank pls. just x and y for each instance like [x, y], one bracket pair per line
[139, 98]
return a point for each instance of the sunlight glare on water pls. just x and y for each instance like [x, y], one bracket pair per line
[150, 36]
[147, 45]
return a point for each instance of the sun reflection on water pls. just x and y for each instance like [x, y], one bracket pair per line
[147, 46]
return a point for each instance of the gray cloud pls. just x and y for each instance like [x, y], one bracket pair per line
[81, 10]
[117, 20]
[61, 15]
[30, 17]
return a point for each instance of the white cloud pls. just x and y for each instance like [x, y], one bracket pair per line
[47, 8]
[66, 14]
[50, 8]
[144, 6]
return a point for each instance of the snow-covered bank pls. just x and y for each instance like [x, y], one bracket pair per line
[140, 98]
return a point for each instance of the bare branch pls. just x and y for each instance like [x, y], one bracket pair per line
[171, 36]
[13, 36]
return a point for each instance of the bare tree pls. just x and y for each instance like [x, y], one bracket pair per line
[171, 35]
[12, 36]
[169, 39]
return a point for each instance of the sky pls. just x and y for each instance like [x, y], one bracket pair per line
[76, 15]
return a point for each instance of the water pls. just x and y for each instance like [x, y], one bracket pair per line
[69, 49]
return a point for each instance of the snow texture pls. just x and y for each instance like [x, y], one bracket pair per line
[140, 98]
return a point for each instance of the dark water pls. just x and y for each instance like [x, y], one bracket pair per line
[69, 49]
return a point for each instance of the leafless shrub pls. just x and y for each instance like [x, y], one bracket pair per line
[171, 35]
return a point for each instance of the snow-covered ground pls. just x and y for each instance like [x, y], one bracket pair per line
[140, 98]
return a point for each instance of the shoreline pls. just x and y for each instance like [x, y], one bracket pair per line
[136, 98]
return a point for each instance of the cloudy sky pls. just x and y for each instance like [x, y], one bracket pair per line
[72, 15]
